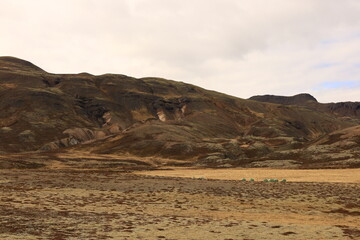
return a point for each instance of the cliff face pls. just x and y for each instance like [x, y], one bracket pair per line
[344, 109]
[151, 117]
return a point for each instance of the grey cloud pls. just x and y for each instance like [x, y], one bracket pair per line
[239, 47]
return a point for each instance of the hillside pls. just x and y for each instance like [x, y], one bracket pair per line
[169, 121]
[341, 109]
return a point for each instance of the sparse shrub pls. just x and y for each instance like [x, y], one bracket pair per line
[244, 179]
[266, 180]
[251, 180]
[284, 180]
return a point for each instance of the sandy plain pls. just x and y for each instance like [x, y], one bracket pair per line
[113, 204]
[259, 174]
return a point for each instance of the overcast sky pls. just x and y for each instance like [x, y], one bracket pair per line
[239, 47]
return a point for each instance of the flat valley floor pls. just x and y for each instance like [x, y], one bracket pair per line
[64, 204]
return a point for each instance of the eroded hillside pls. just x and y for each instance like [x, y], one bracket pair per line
[151, 117]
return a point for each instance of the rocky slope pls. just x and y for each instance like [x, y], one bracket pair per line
[151, 117]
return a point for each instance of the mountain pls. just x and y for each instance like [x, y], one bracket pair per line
[341, 109]
[299, 99]
[166, 121]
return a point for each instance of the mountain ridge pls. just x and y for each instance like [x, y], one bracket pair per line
[172, 122]
[341, 109]
[288, 100]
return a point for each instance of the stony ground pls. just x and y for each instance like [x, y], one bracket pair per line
[69, 204]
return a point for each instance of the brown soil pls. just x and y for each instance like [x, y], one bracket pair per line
[98, 204]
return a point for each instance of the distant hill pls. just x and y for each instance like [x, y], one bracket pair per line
[299, 99]
[165, 120]
[340, 109]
